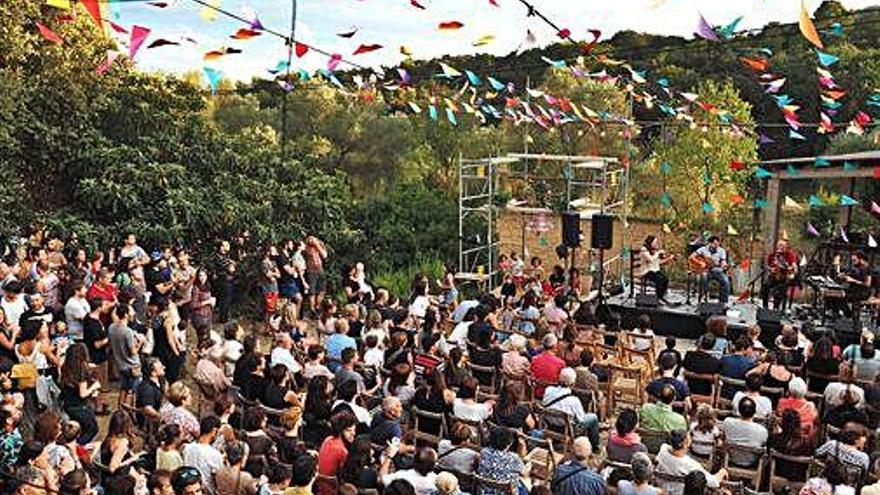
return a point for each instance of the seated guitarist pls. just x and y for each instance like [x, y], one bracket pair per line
[716, 256]
[781, 267]
[859, 279]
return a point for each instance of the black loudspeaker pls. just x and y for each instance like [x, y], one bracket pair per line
[647, 301]
[769, 316]
[707, 309]
[571, 229]
[602, 232]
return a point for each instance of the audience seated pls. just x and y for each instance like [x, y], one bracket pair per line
[743, 430]
[624, 442]
[659, 416]
[674, 460]
[575, 477]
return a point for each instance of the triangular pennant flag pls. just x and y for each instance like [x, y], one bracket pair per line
[812, 230]
[826, 59]
[760, 204]
[731, 230]
[366, 49]
[821, 162]
[803, 260]
[450, 116]
[705, 31]
[214, 77]
[94, 10]
[847, 201]
[875, 208]
[791, 204]
[737, 165]
[793, 134]
[708, 208]
[107, 63]
[665, 168]
[849, 166]
[49, 35]
[666, 229]
[843, 236]
[138, 36]
[496, 84]
[763, 173]
[808, 29]
[792, 171]
[333, 63]
[449, 71]
[473, 78]
[665, 200]
[60, 4]
[432, 112]
[300, 49]
[872, 243]
[743, 296]
[765, 139]
[816, 201]
[746, 263]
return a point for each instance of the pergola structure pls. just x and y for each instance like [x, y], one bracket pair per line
[593, 184]
[862, 165]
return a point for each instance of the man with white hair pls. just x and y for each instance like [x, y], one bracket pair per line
[547, 365]
[561, 398]
[575, 477]
[386, 425]
[281, 353]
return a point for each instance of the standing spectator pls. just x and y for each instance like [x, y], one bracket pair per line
[183, 275]
[125, 346]
[334, 449]
[167, 346]
[232, 479]
[271, 275]
[130, 249]
[77, 390]
[13, 304]
[201, 306]
[202, 455]
[150, 391]
[177, 411]
[224, 278]
[315, 253]
[97, 341]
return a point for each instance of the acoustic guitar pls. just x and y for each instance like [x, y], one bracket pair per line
[699, 264]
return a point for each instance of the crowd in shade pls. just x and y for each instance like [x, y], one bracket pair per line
[123, 372]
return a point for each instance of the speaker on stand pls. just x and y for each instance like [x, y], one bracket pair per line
[601, 238]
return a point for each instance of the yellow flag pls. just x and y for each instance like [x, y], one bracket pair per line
[449, 71]
[808, 29]
[61, 4]
[209, 14]
[406, 51]
[791, 204]
[731, 230]
[666, 229]
[484, 40]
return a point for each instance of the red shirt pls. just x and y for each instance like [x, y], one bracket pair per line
[546, 367]
[332, 456]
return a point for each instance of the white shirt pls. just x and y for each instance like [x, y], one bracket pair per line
[14, 308]
[374, 357]
[570, 405]
[232, 350]
[283, 356]
[471, 412]
[206, 459]
[74, 311]
[649, 262]
[419, 307]
[718, 257]
[834, 393]
[459, 334]
[362, 415]
[424, 485]
[680, 466]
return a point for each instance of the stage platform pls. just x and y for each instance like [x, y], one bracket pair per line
[685, 321]
[682, 320]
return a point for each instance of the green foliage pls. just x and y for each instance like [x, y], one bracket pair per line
[399, 281]
[699, 161]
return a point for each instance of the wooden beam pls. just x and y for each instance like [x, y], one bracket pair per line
[770, 223]
[825, 173]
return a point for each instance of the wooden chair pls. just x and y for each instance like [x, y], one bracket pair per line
[653, 439]
[726, 383]
[670, 483]
[487, 376]
[542, 455]
[624, 387]
[466, 481]
[708, 461]
[557, 426]
[478, 430]
[420, 434]
[816, 382]
[750, 474]
[777, 480]
[325, 485]
[711, 380]
[483, 484]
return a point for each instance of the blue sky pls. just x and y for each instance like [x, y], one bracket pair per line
[393, 23]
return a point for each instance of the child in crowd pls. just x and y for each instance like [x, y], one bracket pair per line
[704, 431]
[670, 349]
[643, 335]
[374, 355]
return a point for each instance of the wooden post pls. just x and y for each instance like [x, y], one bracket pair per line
[770, 228]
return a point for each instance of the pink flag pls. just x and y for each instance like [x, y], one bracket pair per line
[49, 34]
[334, 61]
[105, 65]
[138, 36]
[875, 208]
[812, 230]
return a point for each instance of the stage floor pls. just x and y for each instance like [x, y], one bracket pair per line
[679, 319]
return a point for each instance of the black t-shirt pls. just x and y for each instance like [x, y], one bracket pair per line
[70, 397]
[94, 331]
[155, 277]
[514, 419]
[32, 315]
[273, 396]
[281, 261]
[355, 297]
[702, 363]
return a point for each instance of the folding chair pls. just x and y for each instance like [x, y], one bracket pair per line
[419, 419]
[653, 439]
[711, 380]
[487, 376]
[557, 426]
[789, 463]
[750, 474]
[484, 485]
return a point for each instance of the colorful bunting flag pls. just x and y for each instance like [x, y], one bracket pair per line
[209, 11]
[847, 201]
[826, 59]
[94, 10]
[872, 243]
[366, 49]
[849, 166]
[139, 34]
[449, 71]
[49, 35]
[790, 204]
[760, 204]
[763, 173]
[808, 29]
[450, 116]
[59, 4]
[812, 230]
[300, 49]
[705, 31]
[875, 208]
[214, 76]
[815, 201]
[450, 25]
[821, 162]
[333, 63]
[112, 55]
[665, 168]
[792, 171]
[843, 235]
[731, 230]
[473, 78]
[708, 208]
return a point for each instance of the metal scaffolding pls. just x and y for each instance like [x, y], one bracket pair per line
[593, 185]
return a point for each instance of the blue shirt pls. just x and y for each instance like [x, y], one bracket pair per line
[583, 482]
[337, 343]
[736, 365]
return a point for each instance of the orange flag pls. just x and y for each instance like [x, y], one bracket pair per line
[808, 29]
[49, 34]
[94, 10]
[745, 264]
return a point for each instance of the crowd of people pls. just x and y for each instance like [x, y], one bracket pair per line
[124, 373]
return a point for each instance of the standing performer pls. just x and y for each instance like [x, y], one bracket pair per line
[715, 255]
[781, 268]
[652, 260]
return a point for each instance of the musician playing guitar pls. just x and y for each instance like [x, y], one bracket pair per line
[652, 260]
[714, 258]
[781, 266]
